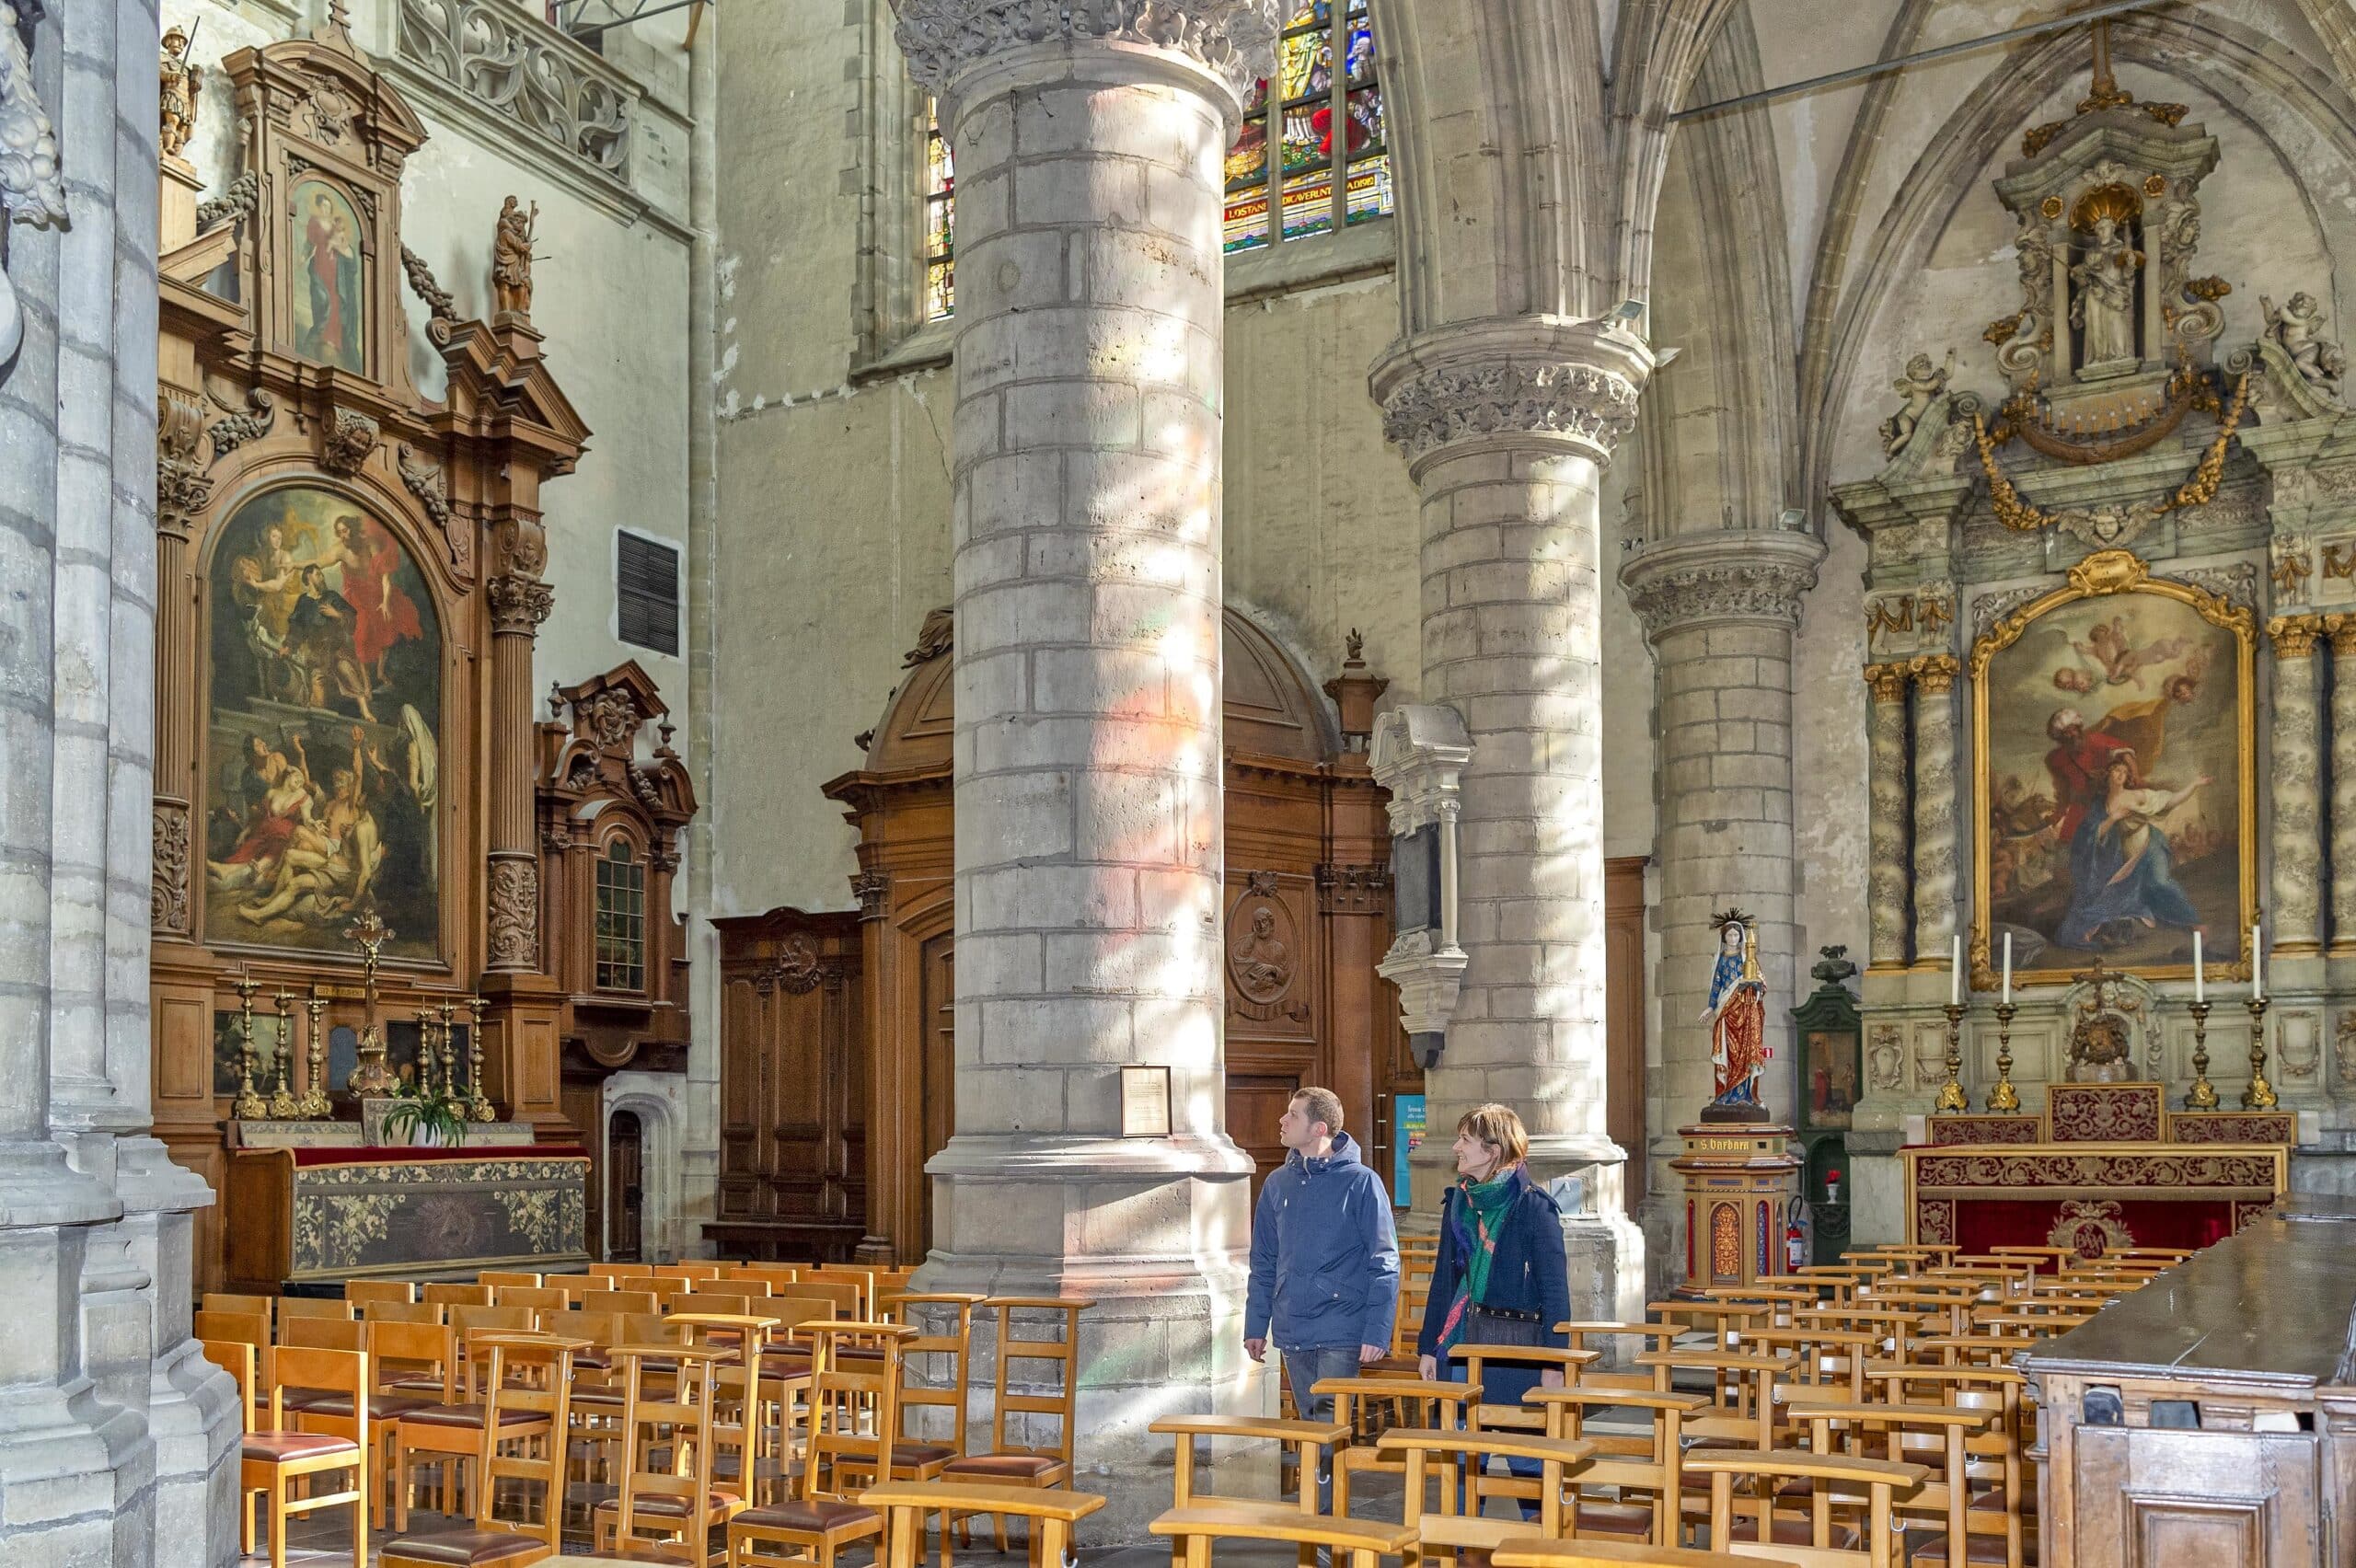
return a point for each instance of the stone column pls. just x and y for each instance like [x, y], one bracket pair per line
[117, 1441]
[1091, 145]
[1506, 425]
[1886, 797]
[1720, 607]
[1934, 806]
[2294, 914]
[2343, 784]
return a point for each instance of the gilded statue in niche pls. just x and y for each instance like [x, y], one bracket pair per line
[329, 317]
[2113, 740]
[321, 757]
[2102, 305]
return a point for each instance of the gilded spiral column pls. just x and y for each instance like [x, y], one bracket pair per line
[1934, 805]
[1887, 805]
[2294, 907]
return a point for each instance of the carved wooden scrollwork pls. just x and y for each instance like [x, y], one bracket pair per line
[514, 912]
[167, 899]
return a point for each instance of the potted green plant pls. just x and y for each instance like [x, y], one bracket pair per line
[423, 1117]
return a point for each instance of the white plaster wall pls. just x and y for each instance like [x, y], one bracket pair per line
[611, 298]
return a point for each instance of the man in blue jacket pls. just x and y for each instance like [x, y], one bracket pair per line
[1324, 1261]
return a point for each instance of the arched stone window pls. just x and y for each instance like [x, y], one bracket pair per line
[1307, 98]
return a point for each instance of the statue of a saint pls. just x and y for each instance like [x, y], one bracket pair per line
[2103, 303]
[178, 83]
[511, 259]
[1737, 1019]
[1263, 964]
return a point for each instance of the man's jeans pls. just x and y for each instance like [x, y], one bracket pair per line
[1304, 1369]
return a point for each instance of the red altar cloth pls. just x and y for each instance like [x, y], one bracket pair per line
[2095, 1197]
[404, 1155]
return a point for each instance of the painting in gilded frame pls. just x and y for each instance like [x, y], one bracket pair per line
[327, 294]
[322, 756]
[2113, 742]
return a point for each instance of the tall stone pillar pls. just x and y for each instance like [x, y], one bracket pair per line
[1888, 793]
[117, 1440]
[1091, 145]
[2343, 784]
[2295, 912]
[1720, 607]
[1936, 906]
[1506, 425]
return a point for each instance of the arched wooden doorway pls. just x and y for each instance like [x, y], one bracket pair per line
[1309, 906]
[625, 1188]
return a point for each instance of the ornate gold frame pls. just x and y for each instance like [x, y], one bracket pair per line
[2100, 575]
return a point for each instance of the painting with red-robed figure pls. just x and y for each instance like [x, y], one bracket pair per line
[330, 282]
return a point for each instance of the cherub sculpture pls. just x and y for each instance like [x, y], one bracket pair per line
[1921, 385]
[2297, 329]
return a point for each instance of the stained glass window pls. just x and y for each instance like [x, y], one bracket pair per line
[621, 920]
[940, 219]
[1305, 100]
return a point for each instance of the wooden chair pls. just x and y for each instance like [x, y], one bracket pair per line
[622, 1301]
[667, 1486]
[248, 1328]
[1300, 1436]
[1821, 1543]
[1742, 1404]
[401, 1357]
[918, 1456]
[228, 1301]
[737, 1428]
[1585, 1334]
[854, 1410]
[361, 1291]
[1530, 1552]
[687, 1271]
[1360, 1403]
[272, 1460]
[538, 1298]
[904, 1505]
[401, 1311]
[2004, 1503]
[1008, 1461]
[1458, 1529]
[1193, 1527]
[497, 1278]
[456, 1295]
[315, 1307]
[526, 1374]
[1652, 1464]
[1930, 1435]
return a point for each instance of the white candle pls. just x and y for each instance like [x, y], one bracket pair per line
[2256, 963]
[2008, 968]
[2199, 986]
[1955, 975]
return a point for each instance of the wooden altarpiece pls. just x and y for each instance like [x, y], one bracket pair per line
[859, 1007]
[350, 586]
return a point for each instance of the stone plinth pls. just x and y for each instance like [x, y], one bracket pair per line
[1740, 1180]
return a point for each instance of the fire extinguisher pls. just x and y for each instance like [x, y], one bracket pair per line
[1795, 1243]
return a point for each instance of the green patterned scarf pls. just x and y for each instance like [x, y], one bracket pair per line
[1485, 1203]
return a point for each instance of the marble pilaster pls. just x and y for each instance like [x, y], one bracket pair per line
[1091, 145]
[1935, 825]
[1887, 796]
[1506, 425]
[2295, 775]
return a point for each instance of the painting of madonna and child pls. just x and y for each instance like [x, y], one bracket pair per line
[322, 754]
[2113, 787]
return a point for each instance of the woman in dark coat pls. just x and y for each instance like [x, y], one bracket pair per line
[1500, 1263]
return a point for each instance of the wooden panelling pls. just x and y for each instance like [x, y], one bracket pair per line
[1623, 1018]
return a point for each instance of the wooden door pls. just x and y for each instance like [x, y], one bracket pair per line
[936, 1075]
[2146, 1498]
[1624, 1017]
[625, 1187]
[584, 1099]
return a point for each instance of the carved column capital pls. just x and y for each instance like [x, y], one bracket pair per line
[2341, 629]
[874, 890]
[1936, 673]
[1889, 681]
[183, 489]
[2295, 636]
[1233, 39]
[1515, 381]
[518, 605]
[1724, 574]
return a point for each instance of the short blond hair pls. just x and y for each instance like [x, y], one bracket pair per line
[1320, 1105]
[1497, 1126]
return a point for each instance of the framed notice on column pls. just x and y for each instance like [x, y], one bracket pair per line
[1406, 1134]
[1144, 1102]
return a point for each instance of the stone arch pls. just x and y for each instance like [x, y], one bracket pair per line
[659, 1102]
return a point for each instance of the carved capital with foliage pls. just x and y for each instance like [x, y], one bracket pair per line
[518, 605]
[1888, 681]
[183, 489]
[1702, 579]
[1233, 40]
[1520, 380]
[2295, 636]
[1936, 674]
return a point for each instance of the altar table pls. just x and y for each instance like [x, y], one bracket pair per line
[2096, 1197]
[298, 1216]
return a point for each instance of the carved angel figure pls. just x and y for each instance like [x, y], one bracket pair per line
[2103, 304]
[1921, 385]
[511, 259]
[178, 80]
[2297, 328]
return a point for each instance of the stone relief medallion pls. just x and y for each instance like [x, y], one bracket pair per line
[2092, 1228]
[1263, 954]
[1885, 1057]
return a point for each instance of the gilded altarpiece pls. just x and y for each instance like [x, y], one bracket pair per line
[350, 586]
[2104, 666]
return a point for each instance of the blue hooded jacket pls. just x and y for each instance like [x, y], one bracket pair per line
[1325, 1258]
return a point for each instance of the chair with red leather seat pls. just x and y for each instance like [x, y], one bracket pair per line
[530, 1375]
[272, 1460]
[854, 1418]
[1008, 1462]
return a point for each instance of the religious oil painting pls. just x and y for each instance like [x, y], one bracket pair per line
[228, 1049]
[2113, 730]
[322, 756]
[1829, 1069]
[329, 286]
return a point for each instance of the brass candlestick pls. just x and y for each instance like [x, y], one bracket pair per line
[2259, 1095]
[249, 1105]
[283, 1104]
[2005, 1097]
[316, 1106]
[1951, 1099]
[449, 1052]
[2202, 1095]
[478, 1106]
[370, 1078]
[425, 1049]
